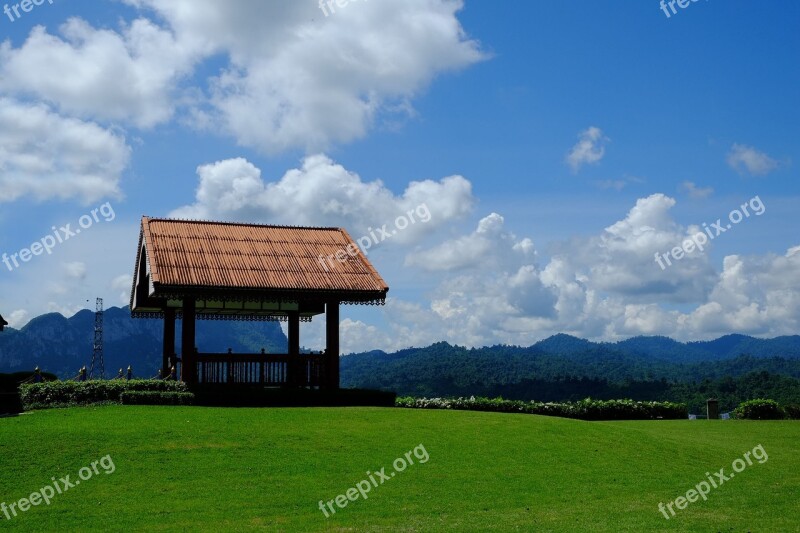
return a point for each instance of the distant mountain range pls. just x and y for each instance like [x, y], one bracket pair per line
[564, 367]
[62, 345]
[666, 349]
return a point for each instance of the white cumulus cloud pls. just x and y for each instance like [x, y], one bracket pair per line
[488, 244]
[273, 75]
[748, 160]
[295, 78]
[44, 155]
[696, 192]
[324, 193]
[75, 270]
[122, 283]
[99, 74]
[17, 318]
[590, 149]
[604, 287]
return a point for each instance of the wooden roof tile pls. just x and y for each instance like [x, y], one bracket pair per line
[198, 254]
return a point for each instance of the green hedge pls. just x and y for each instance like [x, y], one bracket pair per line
[587, 409]
[792, 411]
[76, 393]
[760, 409]
[141, 397]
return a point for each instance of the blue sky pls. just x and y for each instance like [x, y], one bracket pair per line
[558, 146]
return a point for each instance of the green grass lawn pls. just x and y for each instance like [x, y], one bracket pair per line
[210, 469]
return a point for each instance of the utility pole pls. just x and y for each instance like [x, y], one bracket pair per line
[97, 351]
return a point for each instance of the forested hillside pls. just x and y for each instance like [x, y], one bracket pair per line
[733, 368]
[565, 368]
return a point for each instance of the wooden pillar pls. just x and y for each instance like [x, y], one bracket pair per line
[293, 370]
[168, 347]
[188, 362]
[332, 343]
[712, 409]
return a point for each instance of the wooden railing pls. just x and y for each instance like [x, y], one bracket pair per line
[261, 369]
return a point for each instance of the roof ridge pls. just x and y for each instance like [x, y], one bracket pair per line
[206, 255]
[245, 224]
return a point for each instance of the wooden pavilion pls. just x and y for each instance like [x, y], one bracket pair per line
[226, 271]
[3, 323]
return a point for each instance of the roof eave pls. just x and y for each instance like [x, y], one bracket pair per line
[166, 291]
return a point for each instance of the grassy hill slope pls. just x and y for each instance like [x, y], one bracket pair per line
[202, 469]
